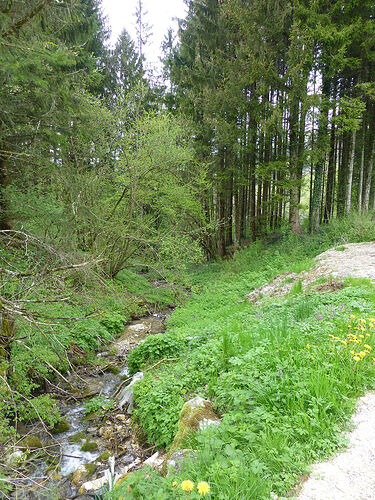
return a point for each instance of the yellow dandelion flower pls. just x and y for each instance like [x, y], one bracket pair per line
[308, 346]
[368, 335]
[344, 342]
[349, 326]
[371, 325]
[352, 352]
[187, 485]
[175, 484]
[203, 488]
[357, 358]
[367, 347]
[362, 354]
[361, 336]
[352, 316]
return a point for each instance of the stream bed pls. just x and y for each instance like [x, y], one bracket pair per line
[102, 434]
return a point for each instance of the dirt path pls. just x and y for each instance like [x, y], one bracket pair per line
[349, 475]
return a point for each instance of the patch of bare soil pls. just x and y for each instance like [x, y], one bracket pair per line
[351, 474]
[353, 259]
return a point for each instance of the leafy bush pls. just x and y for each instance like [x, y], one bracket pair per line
[98, 404]
[113, 322]
[154, 348]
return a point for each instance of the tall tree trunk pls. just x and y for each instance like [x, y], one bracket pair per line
[366, 197]
[4, 216]
[350, 173]
[361, 167]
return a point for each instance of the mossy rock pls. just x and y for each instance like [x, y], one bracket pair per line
[122, 479]
[60, 427]
[114, 369]
[92, 415]
[80, 436]
[195, 414]
[89, 446]
[103, 457]
[30, 443]
[82, 474]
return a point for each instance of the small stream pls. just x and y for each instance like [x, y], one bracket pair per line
[112, 432]
[72, 455]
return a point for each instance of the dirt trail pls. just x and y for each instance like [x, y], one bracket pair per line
[349, 475]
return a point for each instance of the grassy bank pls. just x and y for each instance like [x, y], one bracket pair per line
[284, 376]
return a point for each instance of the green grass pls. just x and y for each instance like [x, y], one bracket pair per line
[282, 385]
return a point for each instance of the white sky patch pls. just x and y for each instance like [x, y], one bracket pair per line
[160, 13]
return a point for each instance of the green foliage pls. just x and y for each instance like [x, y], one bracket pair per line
[113, 322]
[155, 347]
[284, 386]
[98, 404]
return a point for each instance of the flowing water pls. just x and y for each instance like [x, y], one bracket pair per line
[71, 454]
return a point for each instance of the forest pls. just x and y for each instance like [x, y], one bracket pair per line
[124, 193]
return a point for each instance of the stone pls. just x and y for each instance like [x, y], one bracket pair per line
[60, 427]
[89, 446]
[77, 437]
[125, 397]
[196, 414]
[174, 462]
[155, 461]
[82, 474]
[14, 458]
[94, 485]
[121, 417]
[103, 457]
[122, 479]
[29, 443]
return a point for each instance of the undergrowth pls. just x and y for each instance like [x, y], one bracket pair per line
[87, 311]
[284, 376]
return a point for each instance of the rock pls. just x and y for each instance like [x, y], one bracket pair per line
[82, 474]
[89, 446]
[126, 394]
[121, 417]
[155, 461]
[60, 427]
[174, 462]
[196, 414]
[106, 432]
[29, 443]
[94, 485]
[103, 457]
[77, 437]
[14, 458]
[122, 479]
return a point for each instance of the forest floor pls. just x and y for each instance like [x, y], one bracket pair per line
[351, 474]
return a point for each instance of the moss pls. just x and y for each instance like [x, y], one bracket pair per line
[60, 427]
[92, 415]
[80, 436]
[89, 446]
[103, 457]
[90, 468]
[122, 479]
[189, 422]
[30, 443]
